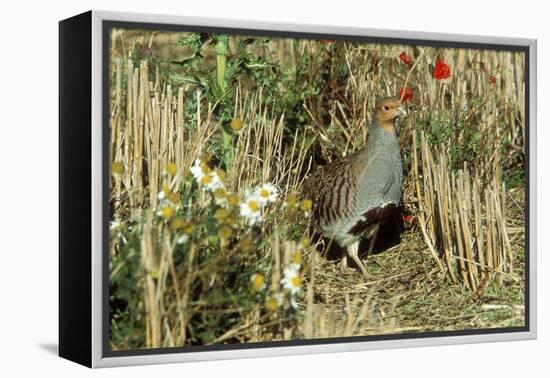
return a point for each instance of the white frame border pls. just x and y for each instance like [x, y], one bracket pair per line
[97, 189]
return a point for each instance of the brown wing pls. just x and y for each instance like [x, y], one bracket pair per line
[333, 190]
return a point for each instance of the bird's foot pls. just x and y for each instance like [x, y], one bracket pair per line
[345, 268]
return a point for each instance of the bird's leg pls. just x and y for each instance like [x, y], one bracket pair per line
[374, 234]
[344, 263]
[353, 251]
[344, 266]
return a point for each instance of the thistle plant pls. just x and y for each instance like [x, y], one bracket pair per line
[219, 85]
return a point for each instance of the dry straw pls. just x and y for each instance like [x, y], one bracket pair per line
[463, 221]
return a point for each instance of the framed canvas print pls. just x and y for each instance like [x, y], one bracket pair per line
[233, 189]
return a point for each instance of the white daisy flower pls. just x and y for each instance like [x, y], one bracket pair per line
[214, 182]
[206, 177]
[197, 170]
[274, 301]
[293, 302]
[295, 260]
[291, 279]
[220, 196]
[258, 281]
[250, 209]
[161, 195]
[266, 193]
[182, 239]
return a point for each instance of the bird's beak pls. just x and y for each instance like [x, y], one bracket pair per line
[402, 111]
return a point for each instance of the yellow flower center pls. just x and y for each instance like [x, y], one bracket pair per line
[206, 180]
[167, 212]
[296, 257]
[236, 124]
[233, 199]
[231, 219]
[258, 281]
[171, 169]
[117, 167]
[306, 205]
[225, 232]
[291, 199]
[304, 241]
[264, 193]
[253, 205]
[245, 245]
[271, 304]
[221, 214]
[296, 281]
[176, 224]
[220, 193]
[174, 198]
[188, 228]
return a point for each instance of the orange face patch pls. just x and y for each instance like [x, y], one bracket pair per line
[386, 111]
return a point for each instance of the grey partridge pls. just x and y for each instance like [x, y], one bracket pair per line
[353, 195]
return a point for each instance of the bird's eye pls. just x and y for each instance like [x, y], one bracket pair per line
[386, 108]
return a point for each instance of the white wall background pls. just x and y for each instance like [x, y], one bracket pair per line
[28, 185]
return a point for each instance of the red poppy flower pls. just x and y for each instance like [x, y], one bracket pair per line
[407, 218]
[492, 80]
[406, 94]
[441, 70]
[405, 58]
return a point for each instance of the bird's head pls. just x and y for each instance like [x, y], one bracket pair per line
[387, 111]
